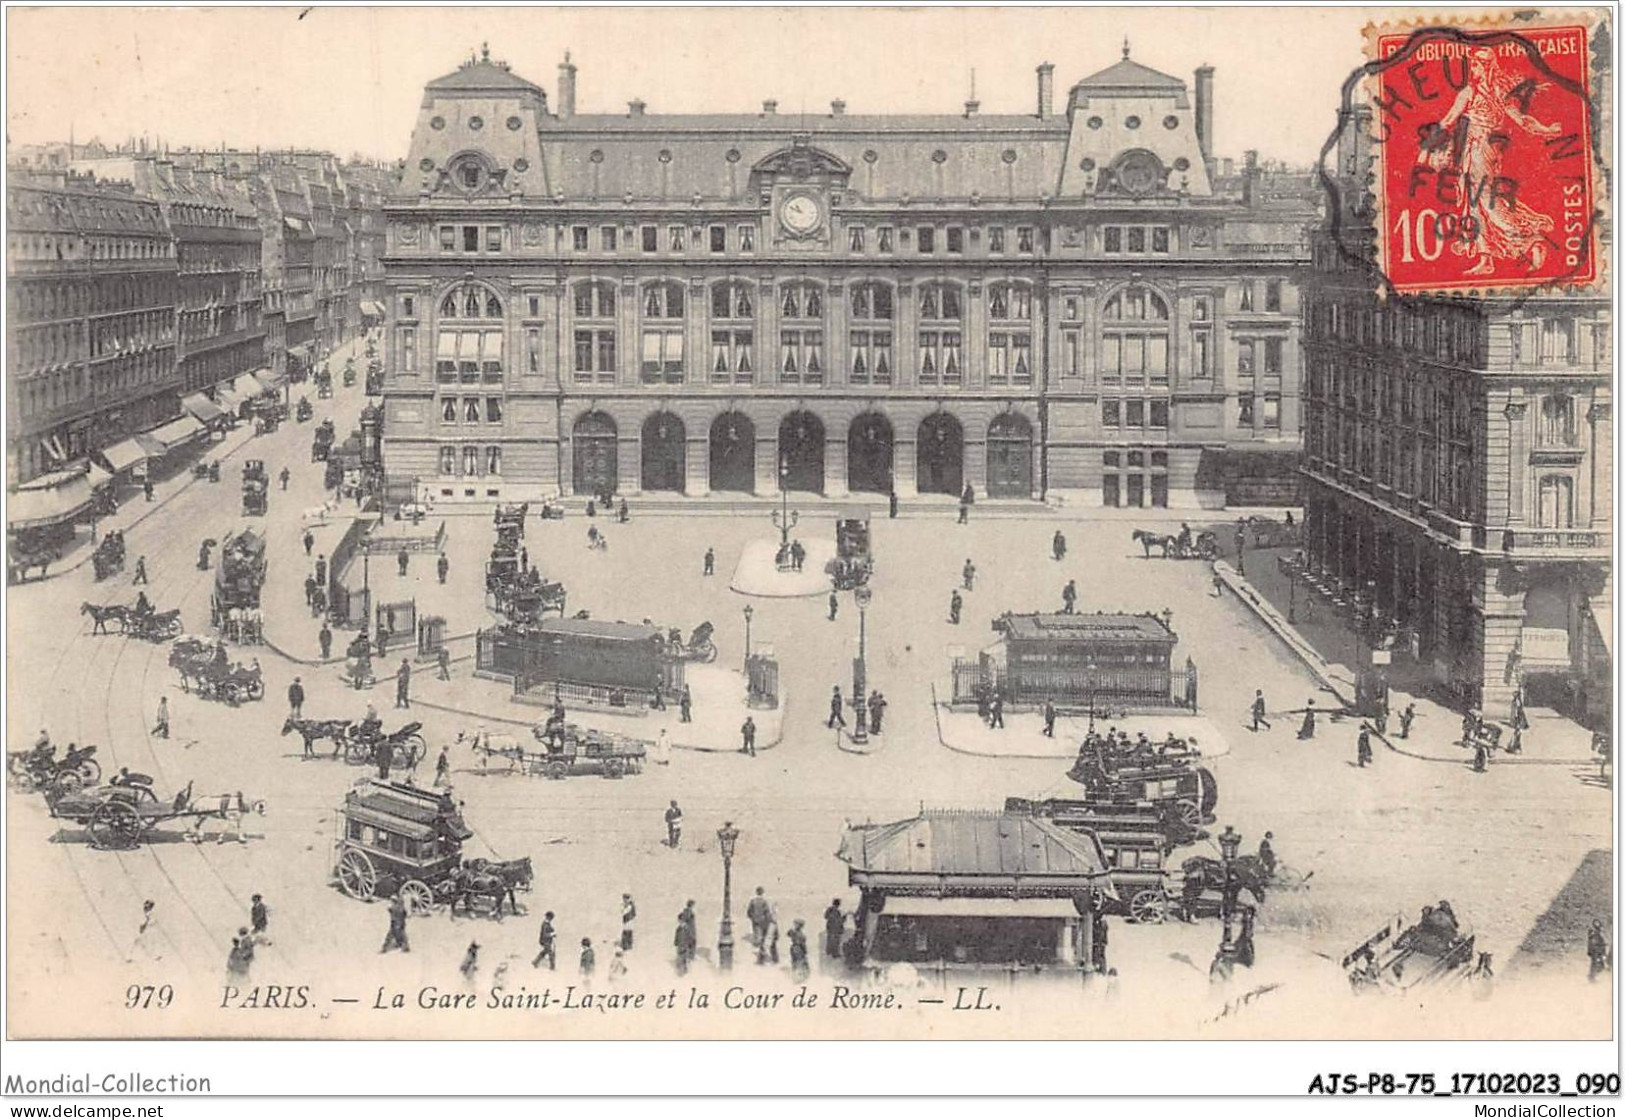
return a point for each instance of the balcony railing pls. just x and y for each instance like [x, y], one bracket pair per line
[1545, 540]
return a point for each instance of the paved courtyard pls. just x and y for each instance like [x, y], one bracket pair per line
[1516, 850]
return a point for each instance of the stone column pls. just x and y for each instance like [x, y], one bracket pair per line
[1517, 465]
[767, 464]
[697, 476]
[629, 464]
[1500, 631]
[834, 466]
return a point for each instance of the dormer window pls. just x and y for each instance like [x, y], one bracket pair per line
[469, 173]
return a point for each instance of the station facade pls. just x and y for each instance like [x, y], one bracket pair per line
[1078, 299]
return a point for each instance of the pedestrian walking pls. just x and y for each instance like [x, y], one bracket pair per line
[442, 769]
[524, 559]
[629, 915]
[160, 727]
[1218, 584]
[1049, 719]
[140, 571]
[283, 477]
[241, 955]
[891, 503]
[662, 752]
[403, 684]
[747, 737]
[324, 638]
[1406, 715]
[759, 912]
[1515, 744]
[674, 825]
[658, 703]
[147, 935]
[996, 714]
[799, 970]
[443, 662]
[402, 558]
[1259, 709]
[877, 710]
[1069, 597]
[685, 940]
[834, 927]
[259, 918]
[836, 716]
[1306, 729]
[964, 512]
[202, 554]
[955, 604]
[321, 568]
[442, 567]
[968, 573]
[310, 593]
[296, 699]
[546, 939]
[685, 706]
[617, 966]
[396, 937]
[621, 514]
[589, 959]
[984, 705]
[1266, 853]
[710, 561]
[471, 961]
[1597, 950]
[310, 541]
[1057, 545]
[834, 605]
[798, 555]
[1362, 749]
[1481, 756]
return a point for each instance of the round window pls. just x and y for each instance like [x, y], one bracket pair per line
[1170, 122]
[1086, 163]
[597, 155]
[1139, 172]
[437, 123]
[1182, 164]
[870, 155]
[733, 155]
[476, 123]
[425, 164]
[521, 164]
[1095, 122]
[939, 156]
[1009, 155]
[515, 124]
[1131, 122]
[665, 155]
[468, 173]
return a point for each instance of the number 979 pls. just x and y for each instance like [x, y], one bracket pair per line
[140, 997]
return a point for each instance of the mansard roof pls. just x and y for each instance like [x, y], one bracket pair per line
[1129, 77]
[483, 75]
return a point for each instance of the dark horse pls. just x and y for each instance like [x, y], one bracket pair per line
[471, 884]
[312, 730]
[100, 615]
[1249, 871]
[1149, 540]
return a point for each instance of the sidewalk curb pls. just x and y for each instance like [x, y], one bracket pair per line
[1468, 760]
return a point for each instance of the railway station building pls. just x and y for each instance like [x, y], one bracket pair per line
[1078, 299]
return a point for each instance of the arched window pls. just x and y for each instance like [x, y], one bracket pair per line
[942, 360]
[1557, 421]
[468, 343]
[871, 335]
[733, 335]
[662, 305]
[1010, 334]
[801, 333]
[1134, 342]
[595, 333]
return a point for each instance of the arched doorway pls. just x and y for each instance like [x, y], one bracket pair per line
[801, 452]
[1010, 457]
[596, 462]
[733, 453]
[940, 455]
[869, 454]
[663, 452]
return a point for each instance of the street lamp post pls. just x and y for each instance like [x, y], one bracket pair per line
[784, 518]
[860, 669]
[1229, 846]
[727, 837]
[750, 612]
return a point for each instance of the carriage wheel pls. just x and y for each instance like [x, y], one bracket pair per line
[356, 752]
[25, 780]
[614, 768]
[709, 652]
[357, 876]
[67, 781]
[115, 825]
[1149, 907]
[1189, 812]
[90, 771]
[558, 771]
[417, 897]
[232, 693]
[414, 749]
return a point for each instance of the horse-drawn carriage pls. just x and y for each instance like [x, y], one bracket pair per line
[108, 559]
[510, 515]
[1401, 957]
[1179, 546]
[853, 563]
[324, 384]
[122, 814]
[398, 840]
[351, 739]
[40, 768]
[304, 411]
[138, 621]
[1176, 780]
[567, 749]
[206, 671]
[321, 442]
[699, 647]
[256, 488]
[239, 578]
[268, 414]
[207, 472]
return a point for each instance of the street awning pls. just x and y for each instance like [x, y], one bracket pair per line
[1605, 626]
[97, 476]
[267, 380]
[39, 506]
[905, 906]
[176, 433]
[203, 409]
[153, 448]
[124, 455]
[228, 396]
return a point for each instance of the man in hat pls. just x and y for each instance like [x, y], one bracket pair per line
[548, 939]
[877, 710]
[834, 605]
[834, 927]
[674, 825]
[402, 559]
[1406, 715]
[1049, 719]
[1057, 545]
[296, 699]
[442, 769]
[161, 727]
[629, 914]
[710, 561]
[1258, 710]
[310, 541]
[747, 736]
[403, 684]
[1266, 853]
[442, 567]
[836, 717]
[324, 639]
[968, 574]
[1597, 950]
[396, 937]
[140, 571]
[685, 705]
[259, 918]
[955, 605]
[1362, 749]
[1069, 597]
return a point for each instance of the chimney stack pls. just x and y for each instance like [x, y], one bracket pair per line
[1046, 91]
[1249, 177]
[1204, 112]
[971, 107]
[770, 107]
[567, 87]
[635, 107]
[837, 108]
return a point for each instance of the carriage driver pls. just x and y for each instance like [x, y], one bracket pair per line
[142, 606]
[371, 728]
[553, 731]
[1184, 537]
[44, 750]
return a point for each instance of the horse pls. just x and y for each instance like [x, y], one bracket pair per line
[312, 730]
[100, 614]
[516, 874]
[471, 885]
[1149, 540]
[1248, 871]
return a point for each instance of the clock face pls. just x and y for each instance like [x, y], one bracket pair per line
[1139, 172]
[800, 214]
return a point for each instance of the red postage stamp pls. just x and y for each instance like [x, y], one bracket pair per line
[1486, 178]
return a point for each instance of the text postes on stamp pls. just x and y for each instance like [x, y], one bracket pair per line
[1485, 173]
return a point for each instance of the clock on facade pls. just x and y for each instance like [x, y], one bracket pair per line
[800, 214]
[1139, 172]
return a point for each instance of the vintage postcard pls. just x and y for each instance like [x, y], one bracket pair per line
[784, 524]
